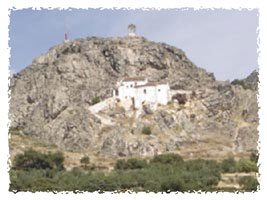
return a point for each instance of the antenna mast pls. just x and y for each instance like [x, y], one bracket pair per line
[66, 27]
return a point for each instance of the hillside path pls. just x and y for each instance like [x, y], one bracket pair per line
[95, 109]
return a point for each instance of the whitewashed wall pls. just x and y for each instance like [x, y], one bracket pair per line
[149, 97]
[159, 94]
[126, 89]
[163, 94]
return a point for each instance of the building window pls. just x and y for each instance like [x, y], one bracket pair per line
[125, 97]
[117, 92]
[144, 91]
[159, 90]
[131, 85]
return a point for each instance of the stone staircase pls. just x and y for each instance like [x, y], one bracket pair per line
[95, 109]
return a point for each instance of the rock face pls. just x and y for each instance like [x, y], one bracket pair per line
[251, 82]
[50, 100]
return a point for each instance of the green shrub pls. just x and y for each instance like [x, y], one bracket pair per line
[181, 98]
[33, 180]
[172, 185]
[240, 82]
[209, 171]
[164, 173]
[31, 159]
[228, 165]
[249, 183]
[108, 184]
[237, 82]
[254, 157]
[56, 160]
[244, 165]
[120, 164]
[95, 100]
[146, 130]
[130, 164]
[13, 131]
[85, 160]
[170, 158]
[151, 185]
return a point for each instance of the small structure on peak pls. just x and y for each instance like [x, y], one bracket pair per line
[138, 91]
[132, 30]
[66, 37]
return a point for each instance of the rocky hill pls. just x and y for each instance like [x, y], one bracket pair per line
[50, 101]
[250, 82]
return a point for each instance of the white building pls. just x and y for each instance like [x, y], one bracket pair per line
[137, 91]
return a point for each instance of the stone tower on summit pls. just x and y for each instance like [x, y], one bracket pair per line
[132, 30]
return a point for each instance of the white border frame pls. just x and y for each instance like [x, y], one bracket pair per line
[130, 4]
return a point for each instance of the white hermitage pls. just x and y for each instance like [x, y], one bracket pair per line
[138, 91]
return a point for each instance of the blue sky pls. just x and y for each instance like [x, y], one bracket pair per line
[221, 41]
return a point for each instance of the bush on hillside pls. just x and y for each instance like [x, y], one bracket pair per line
[239, 82]
[85, 160]
[181, 98]
[244, 165]
[172, 185]
[146, 130]
[249, 183]
[13, 131]
[167, 158]
[130, 164]
[167, 173]
[56, 159]
[254, 157]
[95, 100]
[31, 159]
[228, 165]
[164, 173]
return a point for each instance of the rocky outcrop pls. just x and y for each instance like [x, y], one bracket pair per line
[251, 82]
[247, 139]
[51, 100]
